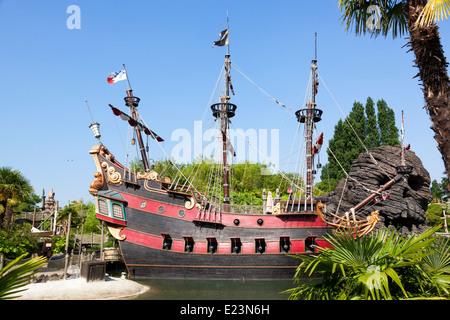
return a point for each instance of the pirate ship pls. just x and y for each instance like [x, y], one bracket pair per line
[167, 228]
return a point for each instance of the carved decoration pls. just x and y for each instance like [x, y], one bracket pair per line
[113, 176]
[189, 203]
[276, 209]
[115, 232]
[98, 182]
[152, 175]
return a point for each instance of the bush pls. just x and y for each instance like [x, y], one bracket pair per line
[433, 214]
[17, 240]
[59, 244]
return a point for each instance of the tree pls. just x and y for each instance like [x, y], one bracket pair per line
[356, 133]
[372, 135]
[376, 266]
[386, 124]
[418, 18]
[439, 190]
[28, 204]
[13, 187]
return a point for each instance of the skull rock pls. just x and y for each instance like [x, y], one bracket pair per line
[404, 203]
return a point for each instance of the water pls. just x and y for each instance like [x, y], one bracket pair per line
[165, 289]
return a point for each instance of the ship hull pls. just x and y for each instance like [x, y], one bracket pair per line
[167, 234]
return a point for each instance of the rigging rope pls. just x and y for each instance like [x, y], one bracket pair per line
[272, 164]
[348, 122]
[259, 88]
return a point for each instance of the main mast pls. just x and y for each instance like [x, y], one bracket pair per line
[309, 116]
[224, 111]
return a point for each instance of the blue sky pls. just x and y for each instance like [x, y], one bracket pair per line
[48, 71]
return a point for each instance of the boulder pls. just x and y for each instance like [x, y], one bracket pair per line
[407, 200]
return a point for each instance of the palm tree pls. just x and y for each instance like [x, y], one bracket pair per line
[13, 187]
[384, 265]
[417, 17]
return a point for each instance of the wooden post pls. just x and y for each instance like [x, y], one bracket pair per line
[66, 250]
[81, 241]
[34, 214]
[445, 222]
[102, 256]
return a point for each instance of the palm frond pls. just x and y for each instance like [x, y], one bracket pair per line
[434, 11]
[13, 279]
[375, 17]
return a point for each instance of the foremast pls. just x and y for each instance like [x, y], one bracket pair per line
[132, 102]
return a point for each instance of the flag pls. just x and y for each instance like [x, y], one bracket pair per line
[223, 41]
[230, 147]
[117, 76]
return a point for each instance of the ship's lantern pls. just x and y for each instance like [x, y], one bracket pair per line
[95, 127]
[285, 244]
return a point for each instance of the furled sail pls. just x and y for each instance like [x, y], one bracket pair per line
[132, 122]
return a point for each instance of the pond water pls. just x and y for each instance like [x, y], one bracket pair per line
[168, 289]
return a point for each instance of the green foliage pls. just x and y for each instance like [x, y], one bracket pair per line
[439, 190]
[360, 126]
[386, 123]
[372, 134]
[91, 222]
[14, 188]
[357, 16]
[378, 266]
[247, 198]
[247, 180]
[13, 279]
[326, 185]
[433, 214]
[28, 204]
[63, 216]
[59, 244]
[16, 240]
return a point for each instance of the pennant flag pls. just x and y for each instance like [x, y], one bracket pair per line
[318, 144]
[113, 77]
[223, 41]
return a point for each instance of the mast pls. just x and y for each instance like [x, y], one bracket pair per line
[224, 111]
[309, 116]
[133, 102]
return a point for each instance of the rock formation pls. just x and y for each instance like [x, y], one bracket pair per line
[407, 200]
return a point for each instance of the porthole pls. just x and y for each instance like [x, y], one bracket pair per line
[236, 222]
[260, 222]
[181, 213]
[143, 204]
[161, 209]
